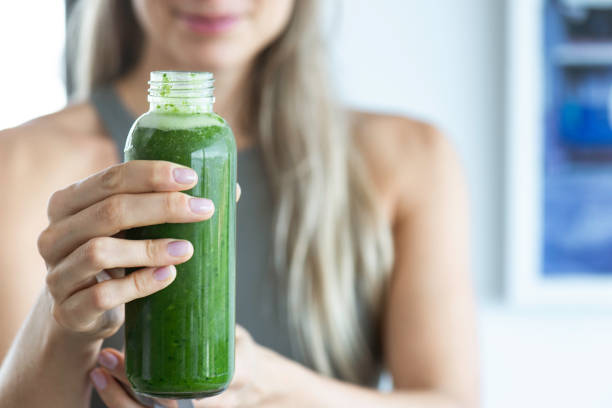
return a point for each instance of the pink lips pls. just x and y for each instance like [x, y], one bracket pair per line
[209, 24]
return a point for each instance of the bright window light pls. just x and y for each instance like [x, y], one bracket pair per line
[31, 44]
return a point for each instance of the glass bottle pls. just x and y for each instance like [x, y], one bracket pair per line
[180, 341]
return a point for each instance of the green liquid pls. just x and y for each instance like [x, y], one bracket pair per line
[180, 341]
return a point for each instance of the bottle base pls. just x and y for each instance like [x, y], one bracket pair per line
[180, 395]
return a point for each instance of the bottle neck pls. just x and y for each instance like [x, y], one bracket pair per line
[176, 105]
[181, 92]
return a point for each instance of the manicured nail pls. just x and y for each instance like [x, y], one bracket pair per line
[98, 379]
[184, 175]
[201, 205]
[179, 248]
[108, 360]
[163, 273]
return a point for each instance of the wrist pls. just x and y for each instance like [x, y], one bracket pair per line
[47, 365]
[56, 337]
[288, 383]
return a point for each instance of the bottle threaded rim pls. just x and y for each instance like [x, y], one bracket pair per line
[189, 89]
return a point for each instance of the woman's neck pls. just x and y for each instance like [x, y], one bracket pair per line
[230, 91]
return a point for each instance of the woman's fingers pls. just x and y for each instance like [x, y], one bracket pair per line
[113, 361]
[138, 176]
[117, 213]
[80, 312]
[238, 192]
[111, 392]
[77, 270]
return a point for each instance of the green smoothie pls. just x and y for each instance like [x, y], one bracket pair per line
[180, 341]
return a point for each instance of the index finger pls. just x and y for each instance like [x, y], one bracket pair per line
[137, 176]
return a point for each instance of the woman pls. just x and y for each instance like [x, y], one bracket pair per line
[362, 216]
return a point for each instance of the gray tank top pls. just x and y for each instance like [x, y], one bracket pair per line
[260, 305]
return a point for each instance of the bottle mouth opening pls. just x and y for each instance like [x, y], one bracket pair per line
[181, 76]
[181, 85]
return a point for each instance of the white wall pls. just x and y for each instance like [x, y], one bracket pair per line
[541, 359]
[443, 61]
[440, 61]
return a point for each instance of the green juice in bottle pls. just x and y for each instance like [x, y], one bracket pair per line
[180, 341]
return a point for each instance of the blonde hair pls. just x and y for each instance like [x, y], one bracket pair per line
[332, 247]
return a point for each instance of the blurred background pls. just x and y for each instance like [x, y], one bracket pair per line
[522, 88]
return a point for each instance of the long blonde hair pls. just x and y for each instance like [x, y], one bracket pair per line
[332, 247]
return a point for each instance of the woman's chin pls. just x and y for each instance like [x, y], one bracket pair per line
[213, 60]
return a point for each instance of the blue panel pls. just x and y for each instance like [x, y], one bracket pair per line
[577, 206]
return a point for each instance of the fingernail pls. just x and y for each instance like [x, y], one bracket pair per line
[201, 205]
[184, 175]
[163, 273]
[179, 248]
[98, 379]
[108, 360]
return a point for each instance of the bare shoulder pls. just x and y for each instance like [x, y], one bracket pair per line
[72, 126]
[71, 139]
[395, 136]
[407, 158]
[47, 154]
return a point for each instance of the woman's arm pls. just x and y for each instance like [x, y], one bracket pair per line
[47, 365]
[429, 320]
[23, 199]
[429, 328]
[309, 389]
[277, 382]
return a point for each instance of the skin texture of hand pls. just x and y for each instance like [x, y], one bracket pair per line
[82, 252]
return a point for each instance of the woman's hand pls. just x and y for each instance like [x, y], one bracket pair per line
[257, 374]
[79, 248]
[248, 388]
[262, 378]
[113, 386]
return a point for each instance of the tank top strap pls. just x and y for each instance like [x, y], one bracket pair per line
[114, 115]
